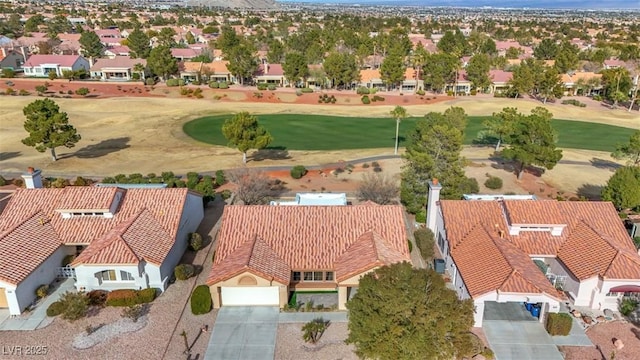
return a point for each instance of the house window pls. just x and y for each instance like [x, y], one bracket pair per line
[108, 275]
[126, 276]
[308, 276]
[317, 276]
[296, 276]
[328, 276]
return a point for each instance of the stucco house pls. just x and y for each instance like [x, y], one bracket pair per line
[267, 253]
[120, 68]
[503, 249]
[11, 59]
[270, 74]
[123, 238]
[42, 65]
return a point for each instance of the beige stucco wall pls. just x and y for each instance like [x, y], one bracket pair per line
[234, 282]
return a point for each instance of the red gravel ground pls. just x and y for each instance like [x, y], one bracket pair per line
[603, 335]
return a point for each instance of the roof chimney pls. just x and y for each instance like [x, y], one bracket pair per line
[432, 204]
[33, 178]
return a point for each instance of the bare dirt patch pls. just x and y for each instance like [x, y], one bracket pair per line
[603, 336]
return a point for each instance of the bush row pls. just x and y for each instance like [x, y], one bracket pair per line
[573, 102]
[175, 82]
[129, 297]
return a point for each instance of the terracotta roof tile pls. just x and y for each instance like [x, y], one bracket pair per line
[534, 212]
[586, 253]
[306, 237]
[147, 220]
[62, 60]
[25, 246]
[368, 252]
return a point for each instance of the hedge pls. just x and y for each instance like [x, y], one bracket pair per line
[129, 297]
[559, 324]
[306, 90]
[223, 85]
[421, 217]
[184, 271]
[201, 300]
[425, 241]
[55, 309]
[214, 84]
[493, 182]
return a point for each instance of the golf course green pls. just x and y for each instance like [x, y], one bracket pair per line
[323, 132]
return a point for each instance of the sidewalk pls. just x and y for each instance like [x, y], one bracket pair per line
[38, 317]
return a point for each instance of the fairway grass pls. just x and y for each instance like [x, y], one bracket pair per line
[320, 132]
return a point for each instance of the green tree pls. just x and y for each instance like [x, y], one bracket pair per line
[48, 128]
[392, 69]
[630, 150]
[91, 45]
[242, 60]
[478, 71]
[189, 38]
[398, 113]
[139, 44]
[550, 86]
[341, 68]
[58, 25]
[512, 53]
[404, 313]
[276, 53]
[522, 81]
[244, 133]
[313, 330]
[617, 83]
[161, 62]
[623, 188]
[567, 57]
[501, 124]
[295, 67]
[440, 70]
[31, 25]
[532, 141]
[166, 37]
[433, 151]
[546, 50]
[227, 40]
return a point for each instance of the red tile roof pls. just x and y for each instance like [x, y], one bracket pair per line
[256, 256]
[368, 252]
[25, 245]
[61, 60]
[147, 220]
[124, 62]
[309, 237]
[594, 242]
[87, 198]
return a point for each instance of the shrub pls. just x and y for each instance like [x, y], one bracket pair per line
[488, 354]
[597, 97]
[134, 312]
[214, 84]
[365, 100]
[377, 98]
[420, 92]
[3, 181]
[52, 75]
[410, 244]
[147, 295]
[223, 85]
[493, 182]
[365, 165]
[362, 90]
[573, 102]
[70, 92]
[261, 86]
[195, 241]
[559, 324]
[184, 271]
[627, 306]
[306, 90]
[24, 92]
[150, 81]
[75, 305]
[172, 82]
[42, 291]
[271, 87]
[41, 88]
[425, 241]
[82, 91]
[313, 330]
[421, 217]
[122, 297]
[8, 73]
[220, 178]
[201, 300]
[55, 309]
[298, 171]
[97, 297]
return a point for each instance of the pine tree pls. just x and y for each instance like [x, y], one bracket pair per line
[139, 44]
[48, 128]
[161, 62]
[91, 45]
[244, 133]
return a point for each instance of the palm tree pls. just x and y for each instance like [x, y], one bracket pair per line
[398, 113]
[139, 68]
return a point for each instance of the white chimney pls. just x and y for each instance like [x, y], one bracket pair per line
[432, 204]
[32, 179]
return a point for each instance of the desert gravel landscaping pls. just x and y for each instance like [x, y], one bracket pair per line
[290, 346]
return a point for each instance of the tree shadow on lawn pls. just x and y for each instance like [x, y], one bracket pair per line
[9, 155]
[102, 148]
[590, 191]
[271, 153]
[605, 164]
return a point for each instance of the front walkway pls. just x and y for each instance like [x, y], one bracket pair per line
[38, 317]
[244, 332]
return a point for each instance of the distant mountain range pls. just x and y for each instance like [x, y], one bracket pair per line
[538, 4]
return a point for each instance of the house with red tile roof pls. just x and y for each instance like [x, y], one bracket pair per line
[41, 65]
[270, 74]
[268, 253]
[122, 238]
[502, 249]
[120, 68]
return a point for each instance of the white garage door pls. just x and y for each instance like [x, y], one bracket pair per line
[248, 296]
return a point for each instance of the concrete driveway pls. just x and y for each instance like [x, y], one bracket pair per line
[244, 332]
[513, 334]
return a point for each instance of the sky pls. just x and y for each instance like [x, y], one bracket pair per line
[571, 4]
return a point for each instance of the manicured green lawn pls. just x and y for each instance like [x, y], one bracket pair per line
[320, 132]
